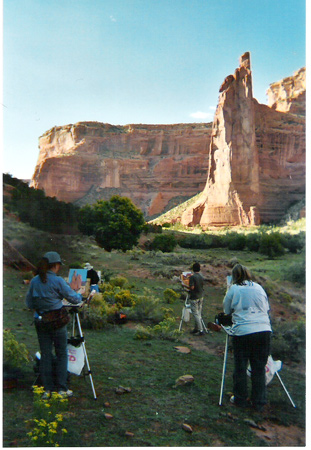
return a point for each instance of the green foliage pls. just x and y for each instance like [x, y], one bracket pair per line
[99, 313]
[14, 353]
[76, 265]
[170, 296]
[164, 243]
[202, 241]
[125, 298]
[45, 427]
[164, 330]
[34, 207]
[235, 241]
[116, 224]
[293, 242]
[118, 281]
[152, 228]
[271, 245]
[147, 308]
[253, 242]
[288, 341]
[296, 273]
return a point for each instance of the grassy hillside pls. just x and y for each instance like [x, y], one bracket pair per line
[154, 411]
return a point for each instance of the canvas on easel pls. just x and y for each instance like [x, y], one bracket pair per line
[77, 278]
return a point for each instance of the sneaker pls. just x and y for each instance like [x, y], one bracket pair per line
[199, 333]
[46, 395]
[66, 394]
[194, 331]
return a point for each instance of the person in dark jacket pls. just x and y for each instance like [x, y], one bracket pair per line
[93, 276]
[196, 298]
[45, 294]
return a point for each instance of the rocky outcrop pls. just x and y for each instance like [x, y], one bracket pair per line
[289, 94]
[256, 157]
[157, 166]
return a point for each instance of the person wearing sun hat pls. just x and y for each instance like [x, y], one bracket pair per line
[45, 295]
[93, 276]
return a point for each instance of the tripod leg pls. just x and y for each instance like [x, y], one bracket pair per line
[204, 326]
[224, 371]
[182, 318]
[85, 356]
[286, 391]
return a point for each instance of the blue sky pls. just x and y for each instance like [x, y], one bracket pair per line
[134, 61]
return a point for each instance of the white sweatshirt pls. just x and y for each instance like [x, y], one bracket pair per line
[249, 307]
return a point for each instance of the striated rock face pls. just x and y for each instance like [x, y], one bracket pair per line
[157, 166]
[256, 156]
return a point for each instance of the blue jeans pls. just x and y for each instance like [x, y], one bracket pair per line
[47, 339]
[255, 348]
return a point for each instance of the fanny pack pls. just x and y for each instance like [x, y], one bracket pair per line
[53, 320]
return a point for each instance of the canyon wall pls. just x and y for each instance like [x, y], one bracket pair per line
[157, 166]
[248, 166]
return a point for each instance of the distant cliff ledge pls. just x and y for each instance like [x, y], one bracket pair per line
[248, 166]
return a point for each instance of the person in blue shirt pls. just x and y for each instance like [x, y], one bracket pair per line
[251, 329]
[46, 292]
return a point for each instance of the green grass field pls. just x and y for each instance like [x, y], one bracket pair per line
[154, 411]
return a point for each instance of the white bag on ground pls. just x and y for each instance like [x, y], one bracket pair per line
[75, 359]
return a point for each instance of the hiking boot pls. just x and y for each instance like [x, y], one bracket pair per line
[199, 333]
[66, 394]
[194, 331]
[46, 395]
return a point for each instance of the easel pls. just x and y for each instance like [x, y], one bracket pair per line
[229, 333]
[187, 307]
[79, 339]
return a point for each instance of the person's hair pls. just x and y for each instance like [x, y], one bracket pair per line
[42, 268]
[196, 267]
[240, 274]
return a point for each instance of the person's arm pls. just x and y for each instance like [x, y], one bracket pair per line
[227, 301]
[28, 300]
[68, 293]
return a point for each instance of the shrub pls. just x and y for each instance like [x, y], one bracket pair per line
[288, 341]
[164, 242]
[253, 242]
[14, 353]
[167, 329]
[235, 241]
[147, 308]
[293, 242]
[118, 281]
[164, 330]
[296, 273]
[271, 245]
[125, 298]
[170, 296]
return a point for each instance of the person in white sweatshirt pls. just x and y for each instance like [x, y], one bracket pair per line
[251, 329]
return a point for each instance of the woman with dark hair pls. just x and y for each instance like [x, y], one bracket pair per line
[251, 330]
[45, 295]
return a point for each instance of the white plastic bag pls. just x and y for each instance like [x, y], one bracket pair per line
[75, 359]
[186, 314]
[271, 367]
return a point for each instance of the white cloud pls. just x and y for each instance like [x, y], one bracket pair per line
[213, 108]
[201, 115]
[113, 19]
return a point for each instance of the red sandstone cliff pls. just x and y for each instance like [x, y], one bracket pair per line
[157, 166]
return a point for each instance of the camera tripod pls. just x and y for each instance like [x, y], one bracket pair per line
[187, 310]
[76, 340]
